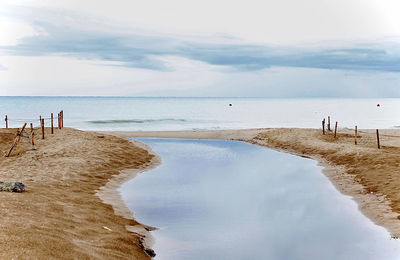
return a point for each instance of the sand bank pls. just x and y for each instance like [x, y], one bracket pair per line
[59, 215]
[370, 175]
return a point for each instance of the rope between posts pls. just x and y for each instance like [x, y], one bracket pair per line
[29, 119]
[23, 134]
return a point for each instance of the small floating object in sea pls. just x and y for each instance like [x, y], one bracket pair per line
[378, 105]
[230, 105]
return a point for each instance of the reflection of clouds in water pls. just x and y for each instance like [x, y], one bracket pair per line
[194, 150]
[232, 200]
[166, 245]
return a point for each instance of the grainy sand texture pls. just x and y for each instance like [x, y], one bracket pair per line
[61, 215]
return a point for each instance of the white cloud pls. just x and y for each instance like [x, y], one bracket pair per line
[54, 75]
[283, 22]
[12, 31]
[267, 21]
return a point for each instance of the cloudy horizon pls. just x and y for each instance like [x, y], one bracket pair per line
[182, 48]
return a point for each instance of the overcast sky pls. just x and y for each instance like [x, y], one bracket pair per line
[296, 48]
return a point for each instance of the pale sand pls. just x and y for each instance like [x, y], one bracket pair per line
[59, 215]
[72, 177]
[370, 175]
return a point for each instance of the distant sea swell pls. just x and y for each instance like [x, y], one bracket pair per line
[136, 121]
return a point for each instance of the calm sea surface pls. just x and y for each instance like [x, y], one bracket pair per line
[126, 113]
[232, 200]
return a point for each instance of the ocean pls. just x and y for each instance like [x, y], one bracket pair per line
[159, 113]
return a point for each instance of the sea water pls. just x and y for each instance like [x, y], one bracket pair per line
[142, 114]
[231, 200]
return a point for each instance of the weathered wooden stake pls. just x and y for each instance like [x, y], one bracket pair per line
[52, 129]
[323, 126]
[59, 121]
[62, 118]
[6, 121]
[355, 136]
[335, 129]
[329, 123]
[42, 125]
[18, 139]
[377, 138]
[32, 137]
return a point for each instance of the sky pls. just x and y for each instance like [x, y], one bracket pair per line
[252, 48]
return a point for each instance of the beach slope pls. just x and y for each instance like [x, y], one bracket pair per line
[60, 216]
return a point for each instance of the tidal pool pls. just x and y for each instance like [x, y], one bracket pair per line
[214, 199]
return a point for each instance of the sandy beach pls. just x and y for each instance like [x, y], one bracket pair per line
[71, 209]
[61, 215]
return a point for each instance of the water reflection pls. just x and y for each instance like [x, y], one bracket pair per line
[232, 200]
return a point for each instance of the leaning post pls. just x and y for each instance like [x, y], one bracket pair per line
[32, 136]
[18, 140]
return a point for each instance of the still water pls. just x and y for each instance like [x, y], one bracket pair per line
[232, 200]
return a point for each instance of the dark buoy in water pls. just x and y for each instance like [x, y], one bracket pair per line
[378, 105]
[230, 105]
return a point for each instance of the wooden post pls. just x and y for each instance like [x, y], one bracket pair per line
[329, 123]
[355, 136]
[59, 121]
[377, 138]
[6, 121]
[335, 129]
[323, 126]
[62, 118]
[32, 136]
[52, 128]
[18, 139]
[42, 125]
[40, 120]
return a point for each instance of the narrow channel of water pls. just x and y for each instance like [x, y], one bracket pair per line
[232, 200]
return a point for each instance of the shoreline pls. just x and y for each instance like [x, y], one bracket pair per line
[110, 195]
[60, 215]
[375, 205]
[72, 206]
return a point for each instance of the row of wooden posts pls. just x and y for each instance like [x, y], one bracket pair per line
[60, 125]
[21, 132]
[355, 131]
